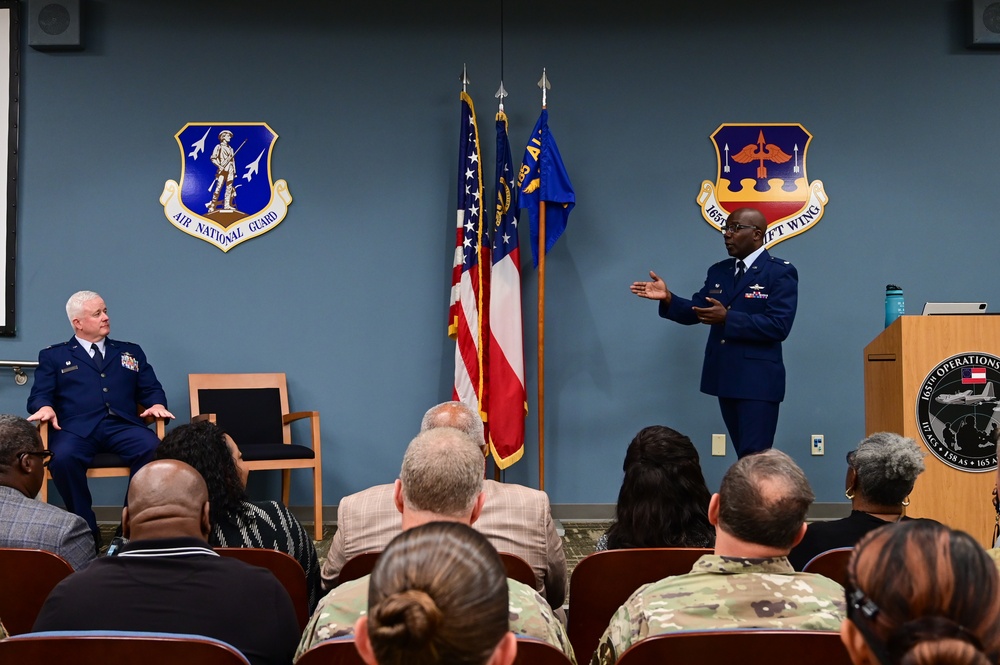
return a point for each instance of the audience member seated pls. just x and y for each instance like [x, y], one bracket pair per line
[168, 579]
[758, 514]
[25, 522]
[919, 593]
[516, 519]
[663, 501]
[438, 595]
[237, 521]
[880, 476]
[441, 480]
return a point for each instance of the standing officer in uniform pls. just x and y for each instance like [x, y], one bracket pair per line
[88, 389]
[749, 301]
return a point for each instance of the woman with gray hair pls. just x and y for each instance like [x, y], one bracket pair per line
[880, 476]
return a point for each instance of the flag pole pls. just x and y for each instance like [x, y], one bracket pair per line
[543, 83]
[501, 93]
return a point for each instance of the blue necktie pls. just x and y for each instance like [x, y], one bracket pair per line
[98, 356]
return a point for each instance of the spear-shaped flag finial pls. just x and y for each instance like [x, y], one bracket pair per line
[544, 84]
[465, 78]
[501, 93]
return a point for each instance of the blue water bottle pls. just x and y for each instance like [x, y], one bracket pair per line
[894, 307]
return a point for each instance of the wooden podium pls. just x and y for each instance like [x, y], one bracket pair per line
[897, 362]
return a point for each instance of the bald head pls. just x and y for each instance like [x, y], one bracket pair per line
[166, 499]
[750, 216]
[457, 415]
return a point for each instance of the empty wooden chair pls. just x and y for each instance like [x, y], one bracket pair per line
[26, 579]
[745, 647]
[253, 410]
[603, 581]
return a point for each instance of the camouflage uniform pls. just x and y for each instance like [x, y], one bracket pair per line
[724, 592]
[995, 555]
[336, 613]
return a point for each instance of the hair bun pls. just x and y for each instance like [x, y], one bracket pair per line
[936, 639]
[410, 619]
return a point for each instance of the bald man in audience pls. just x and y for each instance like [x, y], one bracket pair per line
[441, 479]
[24, 521]
[515, 518]
[168, 579]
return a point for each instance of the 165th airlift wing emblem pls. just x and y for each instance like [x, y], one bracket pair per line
[226, 195]
[763, 166]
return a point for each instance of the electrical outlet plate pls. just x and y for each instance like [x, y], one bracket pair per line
[817, 444]
[719, 445]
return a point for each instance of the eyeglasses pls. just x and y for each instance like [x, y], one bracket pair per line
[46, 456]
[733, 228]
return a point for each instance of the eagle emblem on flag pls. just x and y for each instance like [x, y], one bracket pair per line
[763, 166]
[226, 195]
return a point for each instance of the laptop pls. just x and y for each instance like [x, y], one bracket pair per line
[951, 308]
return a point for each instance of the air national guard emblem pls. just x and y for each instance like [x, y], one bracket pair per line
[763, 166]
[226, 194]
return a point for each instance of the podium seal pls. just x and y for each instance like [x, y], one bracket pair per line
[958, 411]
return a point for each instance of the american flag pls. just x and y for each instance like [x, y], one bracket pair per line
[973, 375]
[470, 276]
[507, 398]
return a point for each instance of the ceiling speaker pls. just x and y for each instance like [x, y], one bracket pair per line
[54, 25]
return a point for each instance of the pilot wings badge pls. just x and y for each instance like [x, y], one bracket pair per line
[763, 166]
[226, 194]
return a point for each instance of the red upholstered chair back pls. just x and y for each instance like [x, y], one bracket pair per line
[26, 579]
[103, 647]
[746, 647]
[832, 564]
[341, 651]
[363, 564]
[284, 567]
[603, 581]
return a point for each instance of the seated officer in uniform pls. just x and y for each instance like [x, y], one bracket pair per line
[88, 389]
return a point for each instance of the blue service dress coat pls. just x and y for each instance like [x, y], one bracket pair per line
[743, 354]
[81, 393]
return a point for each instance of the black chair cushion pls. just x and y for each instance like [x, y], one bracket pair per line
[106, 460]
[269, 451]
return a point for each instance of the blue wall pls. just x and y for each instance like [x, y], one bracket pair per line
[349, 294]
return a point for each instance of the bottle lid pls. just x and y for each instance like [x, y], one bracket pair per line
[892, 287]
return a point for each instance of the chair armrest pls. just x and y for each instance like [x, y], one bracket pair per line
[161, 425]
[298, 415]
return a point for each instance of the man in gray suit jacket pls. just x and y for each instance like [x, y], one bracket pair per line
[24, 521]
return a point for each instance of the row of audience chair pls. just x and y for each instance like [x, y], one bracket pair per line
[362, 564]
[251, 408]
[748, 647]
[28, 576]
[603, 581]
